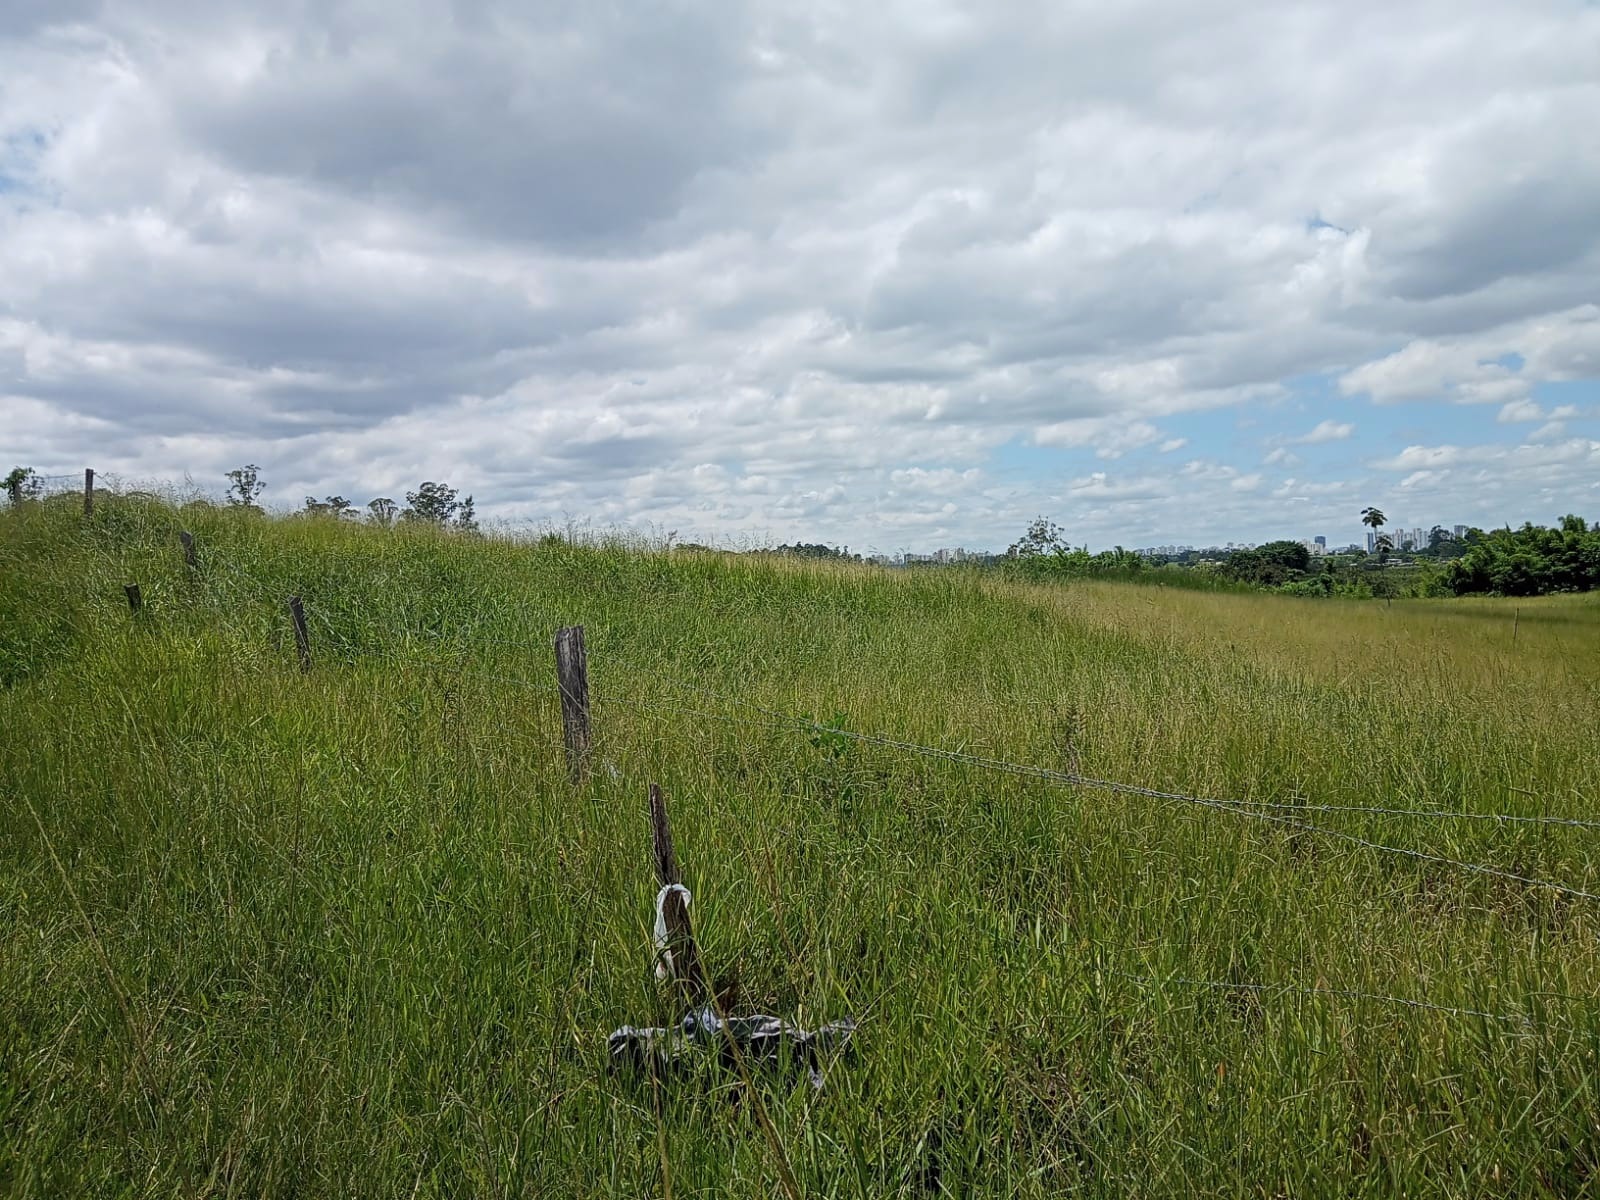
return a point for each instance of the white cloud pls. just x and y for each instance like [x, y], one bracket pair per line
[1110, 438]
[1520, 410]
[745, 267]
[1472, 368]
[1325, 431]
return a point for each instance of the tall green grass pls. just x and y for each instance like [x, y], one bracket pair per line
[353, 933]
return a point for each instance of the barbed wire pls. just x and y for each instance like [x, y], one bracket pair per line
[1089, 781]
[778, 719]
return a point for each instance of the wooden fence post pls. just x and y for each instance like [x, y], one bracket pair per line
[302, 638]
[684, 961]
[88, 491]
[187, 539]
[572, 675]
[135, 600]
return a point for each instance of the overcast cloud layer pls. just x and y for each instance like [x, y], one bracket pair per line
[895, 275]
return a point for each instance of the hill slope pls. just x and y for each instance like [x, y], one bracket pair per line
[354, 933]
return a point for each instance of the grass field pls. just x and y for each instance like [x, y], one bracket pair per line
[353, 933]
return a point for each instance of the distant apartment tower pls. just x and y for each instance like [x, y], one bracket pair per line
[1322, 541]
[1458, 531]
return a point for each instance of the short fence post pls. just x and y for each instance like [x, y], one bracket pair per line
[572, 675]
[680, 956]
[187, 539]
[302, 639]
[135, 600]
[88, 491]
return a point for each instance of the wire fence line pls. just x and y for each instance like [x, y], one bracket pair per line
[1266, 810]
[775, 719]
[667, 710]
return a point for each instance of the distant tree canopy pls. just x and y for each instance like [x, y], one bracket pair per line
[1531, 561]
[1043, 536]
[817, 550]
[437, 504]
[1271, 565]
[330, 506]
[23, 483]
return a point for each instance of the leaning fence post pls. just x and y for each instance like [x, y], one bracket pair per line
[302, 639]
[135, 600]
[679, 955]
[572, 675]
[88, 491]
[187, 539]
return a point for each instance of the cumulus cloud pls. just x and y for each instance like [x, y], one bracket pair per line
[1325, 431]
[742, 267]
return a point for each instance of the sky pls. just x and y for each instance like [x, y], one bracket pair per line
[895, 276]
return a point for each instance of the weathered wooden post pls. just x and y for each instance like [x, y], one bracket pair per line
[572, 675]
[187, 539]
[88, 491]
[302, 638]
[679, 957]
[135, 600]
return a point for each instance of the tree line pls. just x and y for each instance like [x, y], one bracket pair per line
[432, 503]
[1531, 561]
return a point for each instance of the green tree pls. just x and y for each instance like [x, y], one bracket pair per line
[1373, 518]
[382, 511]
[1530, 561]
[436, 503]
[1043, 537]
[246, 486]
[24, 483]
[330, 506]
[1271, 565]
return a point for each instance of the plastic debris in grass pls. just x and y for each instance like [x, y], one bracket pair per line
[759, 1040]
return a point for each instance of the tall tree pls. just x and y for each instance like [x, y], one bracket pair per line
[1043, 537]
[246, 486]
[436, 504]
[432, 502]
[1374, 518]
[383, 511]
